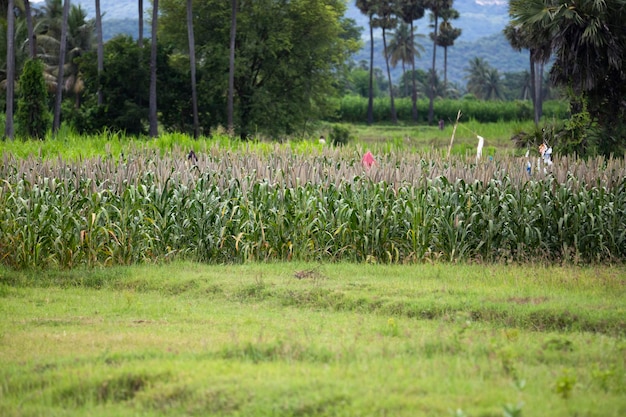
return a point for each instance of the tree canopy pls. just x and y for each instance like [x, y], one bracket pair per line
[288, 55]
[588, 42]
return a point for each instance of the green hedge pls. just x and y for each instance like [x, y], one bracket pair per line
[353, 109]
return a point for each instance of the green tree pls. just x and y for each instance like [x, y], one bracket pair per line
[588, 41]
[10, 80]
[56, 121]
[436, 7]
[539, 53]
[386, 19]
[152, 114]
[367, 7]
[32, 116]
[124, 84]
[99, 48]
[446, 37]
[410, 11]
[481, 78]
[288, 55]
[192, 69]
[403, 49]
[231, 67]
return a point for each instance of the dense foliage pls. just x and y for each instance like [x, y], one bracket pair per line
[288, 55]
[235, 207]
[32, 116]
[588, 41]
[353, 109]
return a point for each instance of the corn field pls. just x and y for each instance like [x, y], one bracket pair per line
[322, 205]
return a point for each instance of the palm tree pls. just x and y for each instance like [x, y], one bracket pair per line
[492, 85]
[140, 35]
[367, 7]
[32, 44]
[433, 85]
[402, 49]
[10, 86]
[411, 10]
[56, 122]
[386, 20]
[447, 35]
[100, 49]
[436, 7]
[153, 131]
[80, 32]
[192, 63]
[231, 68]
[520, 38]
[477, 74]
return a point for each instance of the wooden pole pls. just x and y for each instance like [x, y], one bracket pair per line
[458, 116]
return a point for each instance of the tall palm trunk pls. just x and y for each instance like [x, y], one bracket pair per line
[394, 116]
[231, 68]
[100, 49]
[140, 35]
[192, 63]
[431, 111]
[414, 88]
[445, 66]
[153, 72]
[370, 100]
[56, 123]
[8, 126]
[32, 40]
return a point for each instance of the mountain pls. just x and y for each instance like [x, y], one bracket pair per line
[481, 22]
[478, 18]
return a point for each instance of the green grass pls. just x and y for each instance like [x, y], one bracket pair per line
[420, 138]
[292, 339]
[68, 145]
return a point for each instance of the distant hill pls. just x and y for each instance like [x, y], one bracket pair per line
[478, 18]
[481, 21]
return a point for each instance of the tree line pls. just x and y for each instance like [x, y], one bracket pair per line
[276, 66]
[263, 66]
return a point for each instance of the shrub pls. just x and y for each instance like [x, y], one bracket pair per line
[33, 117]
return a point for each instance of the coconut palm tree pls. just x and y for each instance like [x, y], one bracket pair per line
[32, 44]
[140, 16]
[153, 130]
[192, 64]
[56, 121]
[367, 7]
[477, 75]
[436, 7]
[492, 85]
[588, 40]
[10, 86]
[231, 68]
[410, 11]
[386, 20]
[100, 48]
[403, 49]
[519, 38]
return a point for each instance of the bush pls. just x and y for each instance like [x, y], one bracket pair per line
[33, 117]
[340, 135]
[354, 110]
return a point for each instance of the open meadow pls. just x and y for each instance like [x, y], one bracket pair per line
[312, 339]
[289, 279]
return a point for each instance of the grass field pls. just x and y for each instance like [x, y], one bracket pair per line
[291, 339]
